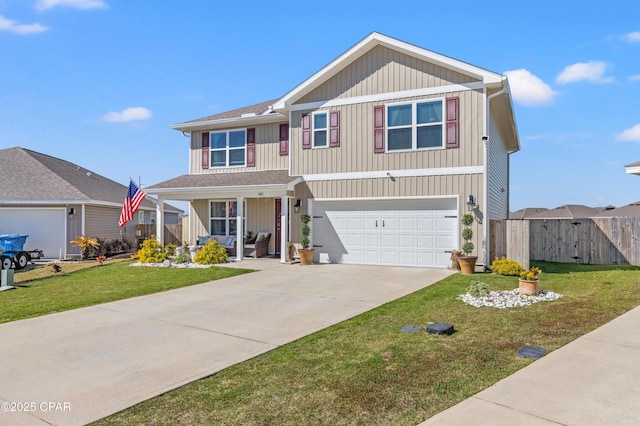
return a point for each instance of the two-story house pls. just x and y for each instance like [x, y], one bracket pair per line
[383, 147]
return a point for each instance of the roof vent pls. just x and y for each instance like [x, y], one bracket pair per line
[249, 114]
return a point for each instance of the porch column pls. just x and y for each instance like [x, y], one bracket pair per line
[239, 230]
[284, 219]
[160, 221]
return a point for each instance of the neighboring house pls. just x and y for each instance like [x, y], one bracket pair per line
[382, 147]
[570, 211]
[633, 168]
[629, 210]
[53, 201]
[526, 213]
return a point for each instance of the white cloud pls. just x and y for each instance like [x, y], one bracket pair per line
[43, 5]
[633, 37]
[128, 114]
[14, 27]
[592, 71]
[634, 77]
[528, 89]
[630, 135]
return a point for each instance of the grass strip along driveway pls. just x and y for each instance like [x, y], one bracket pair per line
[364, 371]
[41, 291]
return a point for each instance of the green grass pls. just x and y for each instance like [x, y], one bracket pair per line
[40, 291]
[364, 371]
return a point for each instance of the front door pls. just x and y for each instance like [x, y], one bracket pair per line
[278, 225]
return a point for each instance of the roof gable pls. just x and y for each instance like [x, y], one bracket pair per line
[376, 39]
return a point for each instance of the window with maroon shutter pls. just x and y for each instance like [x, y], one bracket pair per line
[452, 123]
[284, 139]
[334, 128]
[306, 131]
[378, 129]
[251, 147]
[205, 150]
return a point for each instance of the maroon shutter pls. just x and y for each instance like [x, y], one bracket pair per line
[206, 153]
[306, 131]
[378, 129]
[251, 147]
[284, 139]
[452, 123]
[334, 128]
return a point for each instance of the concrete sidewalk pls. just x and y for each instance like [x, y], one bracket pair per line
[594, 380]
[78, 366]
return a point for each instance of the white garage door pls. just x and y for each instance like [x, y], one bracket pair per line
[398, 232]
[46, 228]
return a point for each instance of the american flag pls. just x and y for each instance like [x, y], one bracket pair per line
[131, 203]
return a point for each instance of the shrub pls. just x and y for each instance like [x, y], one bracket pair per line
[85, 243]
[507, 267]
[531, 274]
[182, 258]
[211, 253]
[150, 252]
[478, 289]
[170, 249]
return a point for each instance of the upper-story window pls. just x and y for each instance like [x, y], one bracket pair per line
[417, 125]
[320, 130]
[228, 148]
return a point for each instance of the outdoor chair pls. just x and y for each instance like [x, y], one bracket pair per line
[260, 247]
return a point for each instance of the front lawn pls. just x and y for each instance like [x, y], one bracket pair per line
[40, 291]
[364, 371]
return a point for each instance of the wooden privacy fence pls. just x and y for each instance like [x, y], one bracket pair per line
[602, 241]
[172, 233]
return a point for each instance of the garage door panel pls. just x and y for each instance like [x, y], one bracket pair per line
[46, 228]
[399, 232]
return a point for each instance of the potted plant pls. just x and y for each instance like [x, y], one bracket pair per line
[467, 263]
[529, 284]
[306, 253]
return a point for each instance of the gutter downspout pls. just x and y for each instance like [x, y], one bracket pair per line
[485, 224]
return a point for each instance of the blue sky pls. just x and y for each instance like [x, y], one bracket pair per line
[99, 82]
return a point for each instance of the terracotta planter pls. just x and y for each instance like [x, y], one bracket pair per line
[529, 287]
[306, 256]
[467, 264]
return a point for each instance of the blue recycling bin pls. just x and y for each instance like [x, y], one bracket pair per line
[13, 242]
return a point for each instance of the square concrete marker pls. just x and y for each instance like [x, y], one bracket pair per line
[533, 352]
[440, 328]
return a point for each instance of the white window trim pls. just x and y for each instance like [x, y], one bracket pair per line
[227, 148]
[414, 126]
[227, 218]
[313, 130]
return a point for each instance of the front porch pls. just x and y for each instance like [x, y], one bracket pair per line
[234, 204]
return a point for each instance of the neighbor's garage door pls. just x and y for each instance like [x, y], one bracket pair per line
[46, 228]
[398, 232]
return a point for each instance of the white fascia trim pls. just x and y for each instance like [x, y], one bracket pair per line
[43, 202]
[396, 198]
[227, 122]
[386, 174]
[368, 43]
[635, 170]
[428, 91]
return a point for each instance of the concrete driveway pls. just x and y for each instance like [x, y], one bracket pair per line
[78, 366]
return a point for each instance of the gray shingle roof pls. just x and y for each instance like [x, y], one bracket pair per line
[632, 209]
[569, 211]
[211, 180]
[526, 213]
[256, 109]
[30, 175]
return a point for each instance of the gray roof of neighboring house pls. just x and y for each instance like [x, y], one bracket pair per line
[636, 164]
[211, 180]
[526, 213]
[27, 175]
[632, 209]
[256, 109]
[569, 211]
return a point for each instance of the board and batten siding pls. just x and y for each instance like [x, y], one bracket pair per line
[383, 70]
[356, 150]
[267, 154]
[498, 174]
